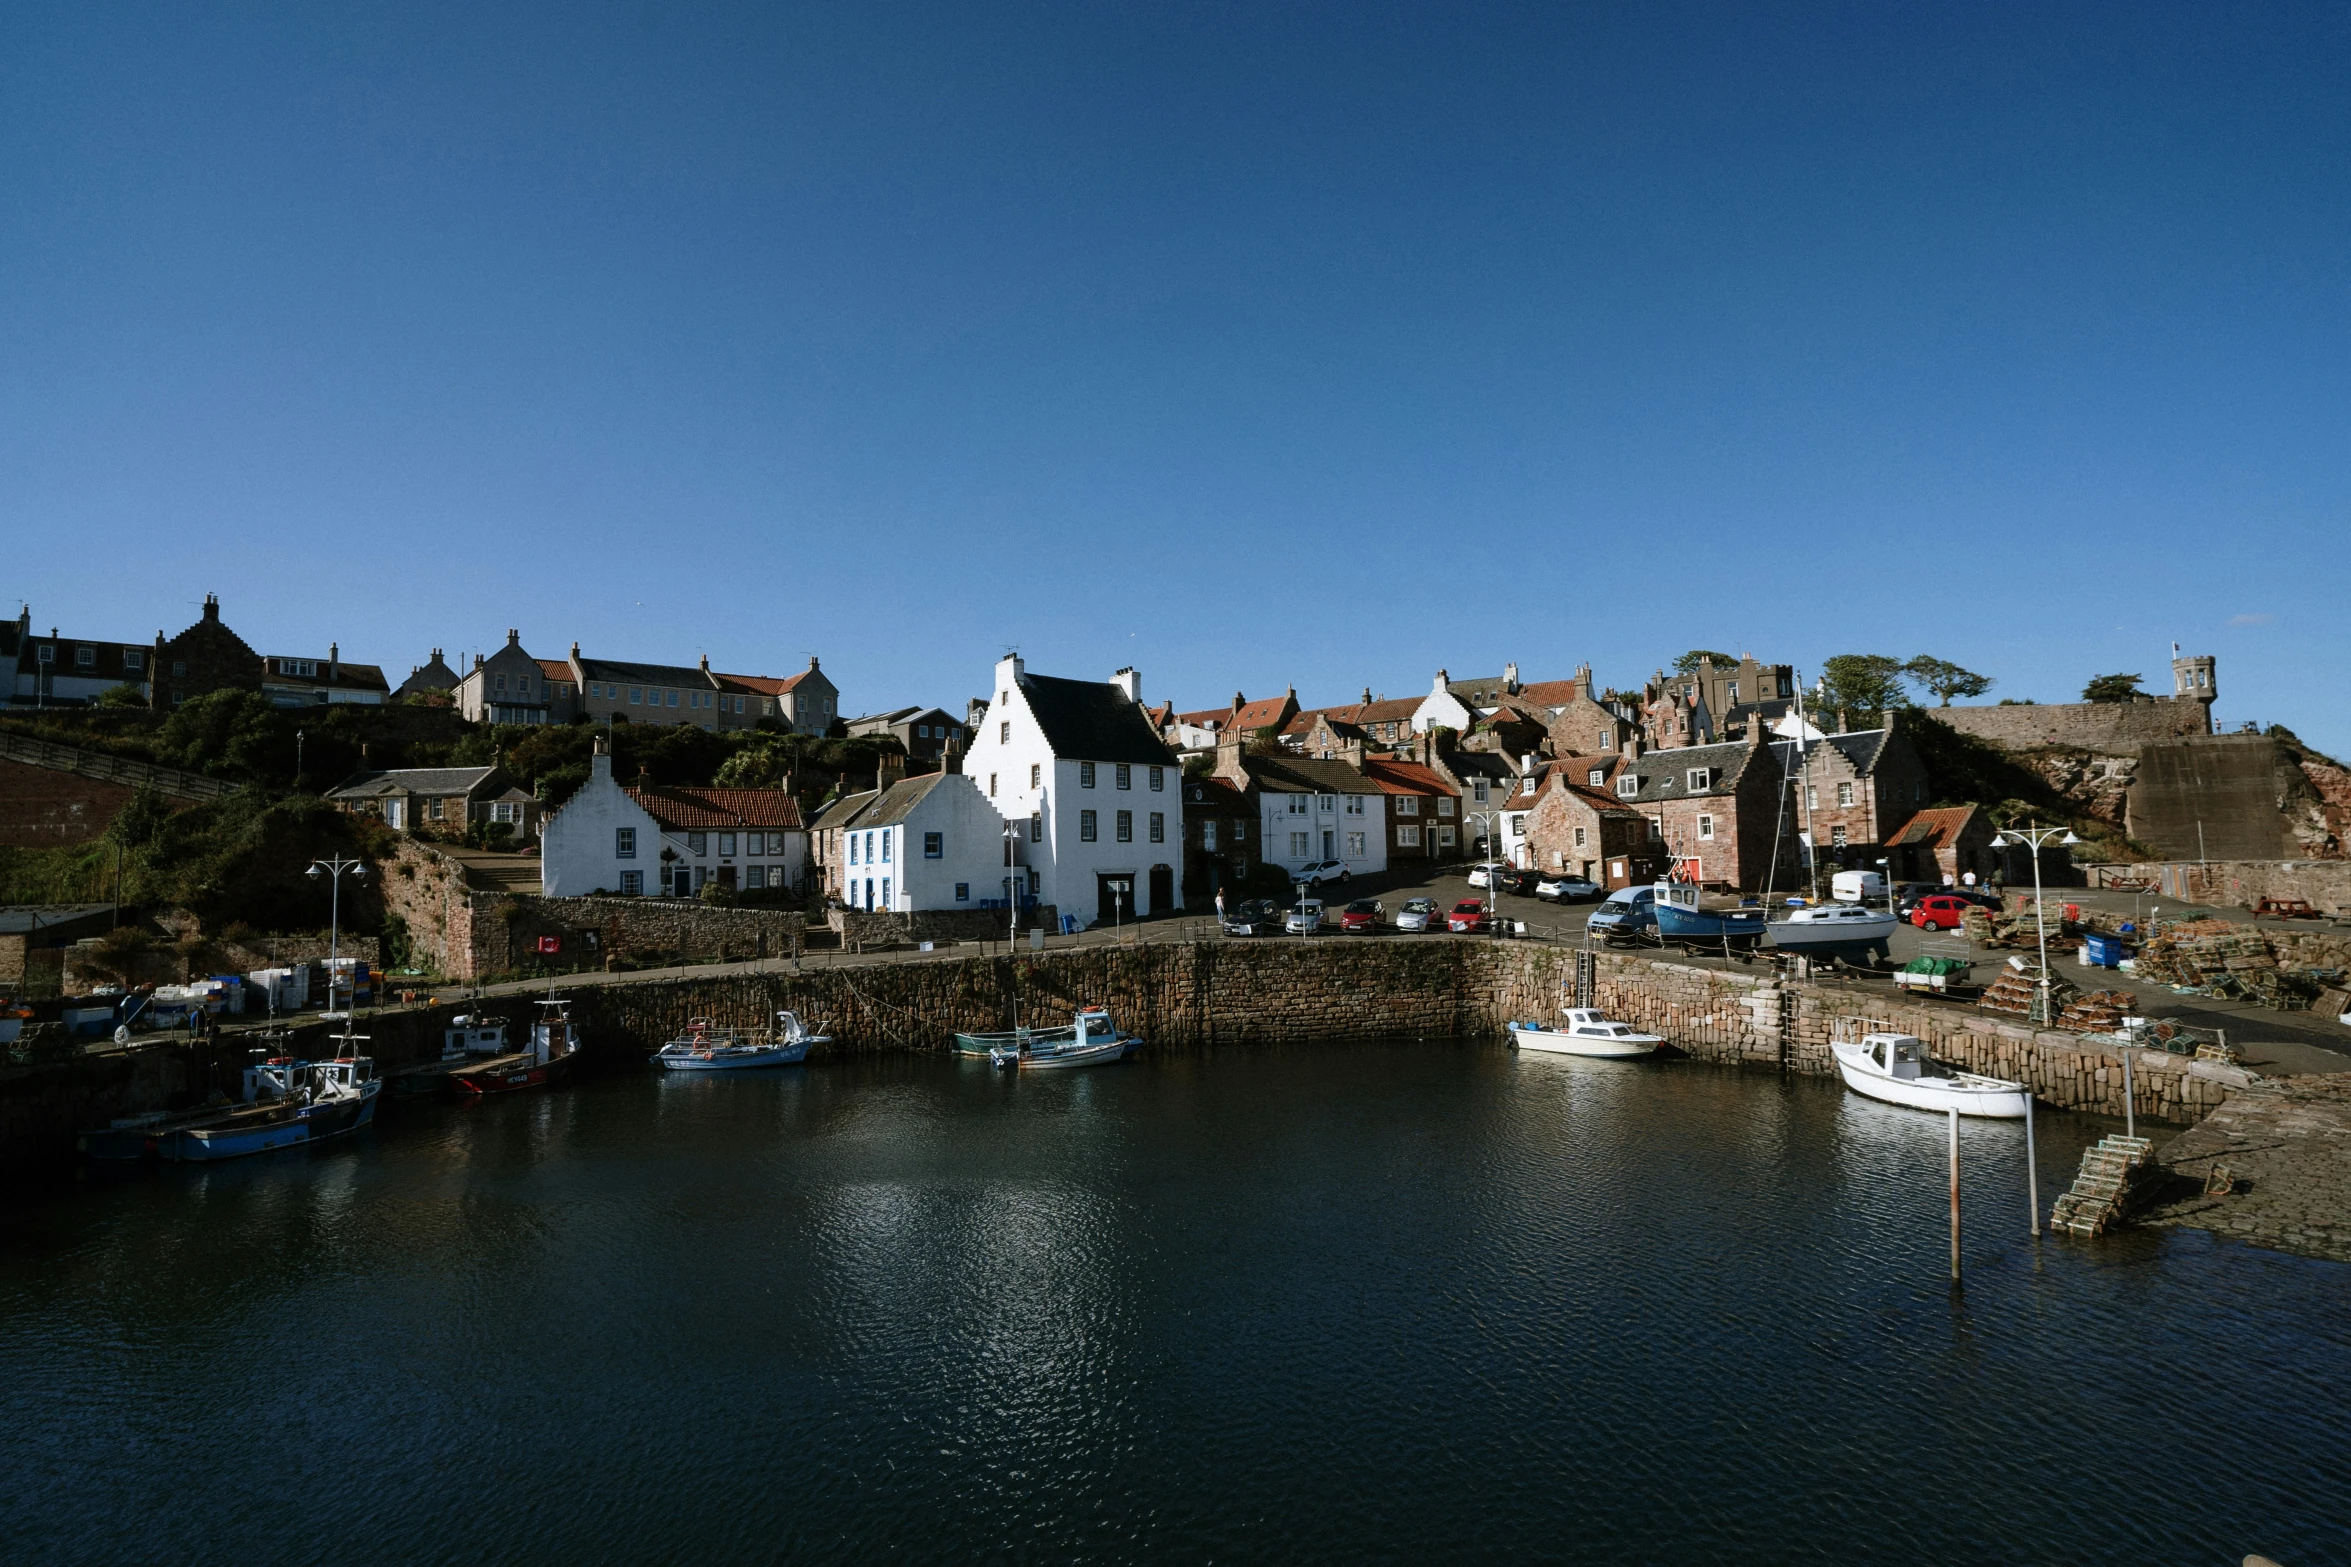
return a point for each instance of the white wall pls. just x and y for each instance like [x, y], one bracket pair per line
[1345, 818]
[971, 854]
[578, 852]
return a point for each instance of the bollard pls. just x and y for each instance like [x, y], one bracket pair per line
[1954, 1197]
[2032, 1171]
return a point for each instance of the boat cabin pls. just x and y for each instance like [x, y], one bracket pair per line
[551, 1034]
[1896, 1055]
[467, 1035]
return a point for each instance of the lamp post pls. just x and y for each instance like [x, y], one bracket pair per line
[335, 869]
[1011, 883]
[2036, 837]
[1886, 875]
[1493, 836]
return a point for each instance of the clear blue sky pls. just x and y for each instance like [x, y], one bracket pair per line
[1251, 345]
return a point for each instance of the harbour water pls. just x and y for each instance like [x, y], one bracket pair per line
[1420, 1302]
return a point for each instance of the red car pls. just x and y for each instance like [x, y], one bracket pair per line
[1468, 915]
[1940, 912]
[1360, 916]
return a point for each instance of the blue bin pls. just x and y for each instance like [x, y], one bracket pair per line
[2102, 951]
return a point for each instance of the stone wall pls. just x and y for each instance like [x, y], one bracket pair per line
[2323, 884]
[2108, 728]
[48, 808]
[858, 929]
[2221, 796]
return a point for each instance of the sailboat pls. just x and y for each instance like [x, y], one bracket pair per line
[1834, 930]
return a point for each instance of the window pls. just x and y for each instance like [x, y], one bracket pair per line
[1444, 837]
[1297, 804]
[852, 842]
[1208, 835]
[885, 892]
[85, 658]
[673, 699]
[697, 843]
[1733, 690]
[1355, 846]
[1004, 732]
[887, 835]
[1355, 805]
[179, 669]
[1159, 827]
[624, 843]
[963, 892]
[1036, 826]
[1159, 778]
[1126, 827]
[1477, 790]
[1086, 829]
[775, 843]
[433, 808]
[1656, 830]
[1126, 776]
[726, 845]
[1240, 831]
[1599, 776]
[755, 877]
[1701, 778]
[1706, 828]
[1628, 784]
[1811, 797]
[632, 884]
[636, 695]
[934, 845]
[1837, 837]
[132, 659]
[1844, 794]
[1085, 775]
[1579, 837]
[1408, 837]
[991, 786]
[869, 848]
[1324, 803]
[1298, 849]
[1408, 805]
[1036, 775]
[1526, 785]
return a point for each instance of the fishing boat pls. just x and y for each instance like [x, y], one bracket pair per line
[1091, 1040]
[547, 1059]
[705, 1047]
[1896, 1068]
[985, 1046]
[1585, 1031]
[467, 1039]
[286, 1101]
[1683, 918]
[1835, 930]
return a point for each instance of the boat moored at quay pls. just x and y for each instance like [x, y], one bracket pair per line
[547, 1060]
[285, 1101]
[709, 1047]
[1090, 1039]
[1585, 1031]
[1896, 1068]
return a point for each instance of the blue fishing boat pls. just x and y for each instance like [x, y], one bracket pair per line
[287, 1100]
[1684, 920]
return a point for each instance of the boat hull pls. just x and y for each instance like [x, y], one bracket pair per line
[1841, 938]
[517, 1076]
[1710, 927]
[734, 1059]
[1552, 1041]
[1103, 1054]
[1993, 1100]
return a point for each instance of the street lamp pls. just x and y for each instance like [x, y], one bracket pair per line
[335, 869]
[1886, 875]
[2036, 837]
[1493, 838]
[1012, 882]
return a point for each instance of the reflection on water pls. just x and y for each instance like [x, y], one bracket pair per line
[1420, 1302]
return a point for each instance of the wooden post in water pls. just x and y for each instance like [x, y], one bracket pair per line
[2032, 1170]
[2130, 1126]
[1955, 1197]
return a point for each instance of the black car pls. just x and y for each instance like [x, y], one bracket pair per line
[1253, 917]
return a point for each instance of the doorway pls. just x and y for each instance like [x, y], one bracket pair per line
[1114, 897]
[1162, 888]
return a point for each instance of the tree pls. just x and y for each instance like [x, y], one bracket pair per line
[1688, 662]
[1863, 683]
[2111, 688]
[1947, 679]
[124, 695]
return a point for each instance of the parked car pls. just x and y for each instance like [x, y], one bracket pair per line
[1563, 888]
[1914, 894]
[1363, 915]
[1940, 911]
[1252, 917]
[1417, 914]
[1320, 871]
[1305, 918]
[1628, 913]
[1469, 915]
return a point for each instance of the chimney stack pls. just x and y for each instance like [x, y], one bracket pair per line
[212, 606]
[891, 768]
[513, 637]
[1128, 681]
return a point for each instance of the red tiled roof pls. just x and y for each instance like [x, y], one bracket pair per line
[554, 669]
[698, 810]
[1939, 827]
[1547, 693]
[766, 685]
[1360, 714]
[1405, 778]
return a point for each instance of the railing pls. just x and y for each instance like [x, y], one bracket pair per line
[112, 769]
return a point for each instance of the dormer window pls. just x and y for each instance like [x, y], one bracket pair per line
[1599, 776]
[1701, 778]
[1628, 784]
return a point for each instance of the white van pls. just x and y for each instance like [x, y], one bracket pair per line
[1857, 886]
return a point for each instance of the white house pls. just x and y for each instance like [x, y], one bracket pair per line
[1312, 810]
[1079, 763]
[1514, 805]
[1442, 706]
[923, 844]
[650, 839]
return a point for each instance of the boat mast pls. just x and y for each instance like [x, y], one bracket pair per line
[1804, 758]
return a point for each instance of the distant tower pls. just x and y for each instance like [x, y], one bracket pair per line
[2193, 680]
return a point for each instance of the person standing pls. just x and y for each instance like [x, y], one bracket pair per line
[1220, 904]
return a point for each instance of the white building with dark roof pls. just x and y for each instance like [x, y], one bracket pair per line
[670, 840]
[1079, 765]
[918, 846]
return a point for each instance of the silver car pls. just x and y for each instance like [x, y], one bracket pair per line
[1305, 919]
[1416, 914]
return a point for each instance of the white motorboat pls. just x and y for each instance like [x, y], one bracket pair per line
[1896, 1068]
[1585, 1031]
[1092, 1040]
[1834, 930]
[705, 1047]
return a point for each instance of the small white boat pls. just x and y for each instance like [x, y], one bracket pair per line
[1835, 930]
[1091, 1041]
[1896, 1068]
[1585, 1031]
[705, 1047]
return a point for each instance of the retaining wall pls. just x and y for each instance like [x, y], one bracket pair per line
[2109, 728]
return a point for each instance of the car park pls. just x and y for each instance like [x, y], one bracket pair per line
[1252, 917]
[1304, 918]
[1361, 917]
[1468, 916]
[1629, 914]
[1417, 914]
[1316, 872]
[1563, 888]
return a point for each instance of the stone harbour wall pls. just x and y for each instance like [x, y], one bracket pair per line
[2108, 728]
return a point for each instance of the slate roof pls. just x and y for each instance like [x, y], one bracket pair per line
[899, 800]
[844, 811]
[1664, 774]
[1306, 775]
[410, 780]
[1862, 748]
[1215, 794]
[646, 674]
[1092, 721]
[344, 675]
[699, 810]
[894, 716]
[1578, 769]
